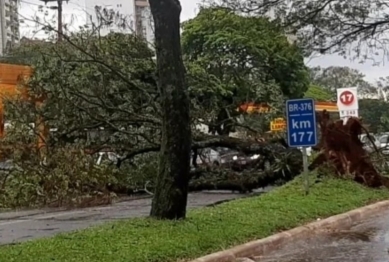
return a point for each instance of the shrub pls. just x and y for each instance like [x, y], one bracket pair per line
[66, 176]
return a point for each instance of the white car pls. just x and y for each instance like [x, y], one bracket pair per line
[111, 156]
[213, 156]
[384, 144]
[367, 145]
[220, 155]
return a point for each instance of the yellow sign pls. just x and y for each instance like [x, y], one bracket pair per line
[278, 124]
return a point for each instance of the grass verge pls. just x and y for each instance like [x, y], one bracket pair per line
[206, 230]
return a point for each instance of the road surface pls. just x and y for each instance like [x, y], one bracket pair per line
[365, 242]
[26, 225]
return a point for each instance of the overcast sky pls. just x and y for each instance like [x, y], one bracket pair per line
[75, 13]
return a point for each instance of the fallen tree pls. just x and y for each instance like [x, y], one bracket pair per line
[269, 149]
[275, 165]
[252, 175]
[341, 147]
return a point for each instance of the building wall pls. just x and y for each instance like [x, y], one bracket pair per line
[143, 20]
[9, 24]
[129, 16]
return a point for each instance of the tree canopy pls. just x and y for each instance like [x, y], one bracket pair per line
[93, 83]
[334, 77]
[109, 92]
[233, 59]
[374, 112]
[103, 90]
[356, 29]
[319, 93]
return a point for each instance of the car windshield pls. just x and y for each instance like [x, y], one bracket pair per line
[384, 139]
[224, 150]
[365, 139]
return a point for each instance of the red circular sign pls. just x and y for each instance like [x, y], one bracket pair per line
[346, 98]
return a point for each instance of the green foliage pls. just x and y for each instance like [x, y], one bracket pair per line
[31, 182]
[355, 29]
[383, 86]
[318, 93]
[232, 59]
[334, 77]
[327, 80]
[140, 173]
[67, 176]
[374, 112]
[338, 26]
[206, 230]
[99, 91]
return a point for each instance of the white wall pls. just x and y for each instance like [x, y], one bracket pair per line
[9, 24]
[149, 26]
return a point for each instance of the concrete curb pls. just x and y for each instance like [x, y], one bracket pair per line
[262, 247]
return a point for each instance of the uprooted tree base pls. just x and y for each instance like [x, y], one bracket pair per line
[341, 147]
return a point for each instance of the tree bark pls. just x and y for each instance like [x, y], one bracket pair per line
[171, 192]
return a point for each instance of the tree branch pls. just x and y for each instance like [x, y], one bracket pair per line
[246, 146]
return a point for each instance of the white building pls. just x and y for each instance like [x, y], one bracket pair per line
[126, 16]
[9, 24]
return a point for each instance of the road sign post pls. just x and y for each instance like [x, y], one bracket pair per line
[301, 127]
[347, 102]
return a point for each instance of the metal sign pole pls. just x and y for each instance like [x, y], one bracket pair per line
[305, 170]
[301, 127]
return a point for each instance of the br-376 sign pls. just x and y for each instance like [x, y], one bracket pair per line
[301, 122]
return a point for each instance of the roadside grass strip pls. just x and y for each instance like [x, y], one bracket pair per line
[205, 231]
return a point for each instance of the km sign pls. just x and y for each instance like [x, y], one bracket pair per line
[300, 124]
[301, 119]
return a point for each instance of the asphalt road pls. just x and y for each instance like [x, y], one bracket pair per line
[365, 242]
[26, 225]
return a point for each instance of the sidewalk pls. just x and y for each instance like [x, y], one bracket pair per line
[367, 241]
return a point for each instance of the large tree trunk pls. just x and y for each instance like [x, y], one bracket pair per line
[171, 192]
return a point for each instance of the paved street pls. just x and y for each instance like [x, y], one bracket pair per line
[26, 225]
[366, 242]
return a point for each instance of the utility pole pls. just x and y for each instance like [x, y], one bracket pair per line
[60, 26]
[59, 10]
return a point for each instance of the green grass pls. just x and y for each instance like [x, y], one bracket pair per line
[206, 230]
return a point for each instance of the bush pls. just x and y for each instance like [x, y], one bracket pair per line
[140, 173]
[67, 176]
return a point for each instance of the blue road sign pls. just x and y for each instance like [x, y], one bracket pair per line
[301, 122]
